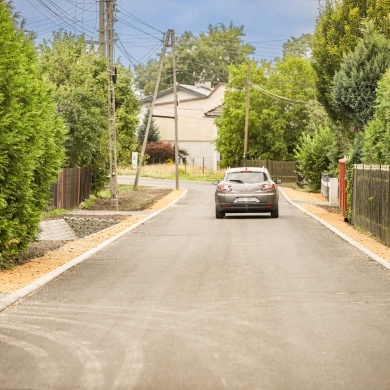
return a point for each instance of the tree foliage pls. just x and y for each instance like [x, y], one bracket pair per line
[338, 32]
[127, 110]
[205, 57]
[376, 149]
[299, 47]
[354, 89]
[163, 152]
[276, 117]
[154, 132]
[31, 139]
[80, 77]
[314, 155]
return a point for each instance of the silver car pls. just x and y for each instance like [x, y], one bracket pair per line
[247, 190]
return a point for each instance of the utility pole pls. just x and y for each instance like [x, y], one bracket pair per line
[248, 87]
[141, 158]
[102, 46]
[110, 5]
[175, 104]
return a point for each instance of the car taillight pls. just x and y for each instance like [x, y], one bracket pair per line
[268, 187]
[224, 187]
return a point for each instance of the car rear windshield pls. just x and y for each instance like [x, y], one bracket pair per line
[247, 177]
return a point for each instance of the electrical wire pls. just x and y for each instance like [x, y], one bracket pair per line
[282, 98]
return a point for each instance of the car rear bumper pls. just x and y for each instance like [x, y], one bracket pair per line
[246, 208]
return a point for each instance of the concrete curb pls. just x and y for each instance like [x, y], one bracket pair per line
[345, 237]
[12, 298]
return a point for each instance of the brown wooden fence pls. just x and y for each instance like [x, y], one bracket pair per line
[72, 188]
[285, 170]
[371, 200]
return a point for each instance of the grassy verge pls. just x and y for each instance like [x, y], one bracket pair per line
[168, 171]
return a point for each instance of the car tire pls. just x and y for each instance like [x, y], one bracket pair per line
[275, 213]
[219, 214]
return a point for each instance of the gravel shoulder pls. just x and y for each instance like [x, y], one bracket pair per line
[44, 256]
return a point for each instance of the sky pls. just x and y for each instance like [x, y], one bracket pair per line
[140, 24]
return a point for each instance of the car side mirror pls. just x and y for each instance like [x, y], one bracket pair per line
[215, 182]
[279, 181]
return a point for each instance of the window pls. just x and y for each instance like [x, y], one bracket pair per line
[247, 177]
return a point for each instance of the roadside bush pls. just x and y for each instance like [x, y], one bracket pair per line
[314, 156]
[31, 139]
[163, 152]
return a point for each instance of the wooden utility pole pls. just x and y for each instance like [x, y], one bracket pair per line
[142, 155]
[175, 104]
[248, 87]
[110, 5]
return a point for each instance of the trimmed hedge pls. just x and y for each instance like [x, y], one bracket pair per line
[31, 139]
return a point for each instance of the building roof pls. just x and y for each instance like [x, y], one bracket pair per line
[214, 112]
[196, 90]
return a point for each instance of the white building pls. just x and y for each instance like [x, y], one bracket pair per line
[198, 106]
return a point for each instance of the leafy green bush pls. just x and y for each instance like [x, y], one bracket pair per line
[31, 139]
[314, 156]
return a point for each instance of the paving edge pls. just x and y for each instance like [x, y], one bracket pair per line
[344, 236]
[10, 299]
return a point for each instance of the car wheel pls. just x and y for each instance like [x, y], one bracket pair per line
[219, 214]
[275, 213]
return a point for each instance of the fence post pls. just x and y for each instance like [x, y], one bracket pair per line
[343, 186]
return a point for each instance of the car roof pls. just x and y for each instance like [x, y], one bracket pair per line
[249, 169]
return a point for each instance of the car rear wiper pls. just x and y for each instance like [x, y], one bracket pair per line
[236, 180]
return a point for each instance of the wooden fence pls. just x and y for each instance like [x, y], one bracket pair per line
[371, 200]
[285, 170]
[72, 188]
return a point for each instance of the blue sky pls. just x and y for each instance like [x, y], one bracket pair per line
[140, 24]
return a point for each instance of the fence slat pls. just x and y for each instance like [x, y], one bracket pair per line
[285, 170]
[72, 188]
[371, 200]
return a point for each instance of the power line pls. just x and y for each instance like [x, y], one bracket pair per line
[282, 98]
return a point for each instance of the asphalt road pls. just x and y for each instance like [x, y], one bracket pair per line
[186, 301]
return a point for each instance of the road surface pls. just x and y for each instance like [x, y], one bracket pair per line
[186, 301]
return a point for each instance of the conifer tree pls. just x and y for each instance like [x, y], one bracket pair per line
[376, 143]
[354, 90]
[154, 132]
[31, 139]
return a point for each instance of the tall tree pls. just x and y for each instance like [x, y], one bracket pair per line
[337, 32]
[31, 138]
[376, 143]
[354, 89]
[206, 57]
[300, 47]
[79, 75]
[154, 132]
[127, 110]
[276, 116]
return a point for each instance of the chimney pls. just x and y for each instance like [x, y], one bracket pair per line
[203, 84]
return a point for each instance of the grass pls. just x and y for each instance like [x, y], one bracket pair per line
[54, 213]
[168, 171]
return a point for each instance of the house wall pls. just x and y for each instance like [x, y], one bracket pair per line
[196, 132]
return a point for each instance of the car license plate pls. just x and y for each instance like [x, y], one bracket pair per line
[245, 200]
